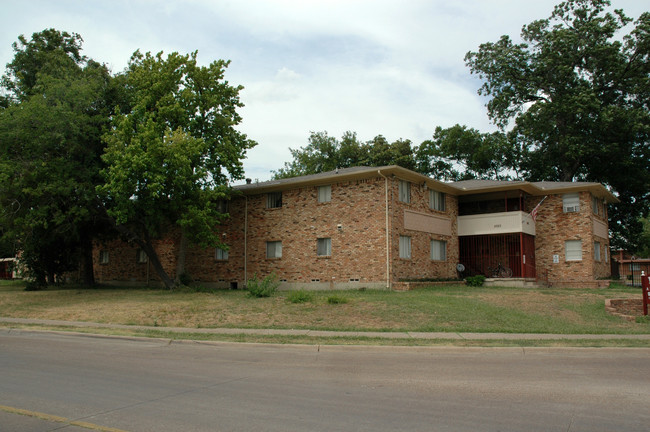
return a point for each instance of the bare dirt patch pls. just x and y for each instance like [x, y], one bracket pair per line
[625, 308]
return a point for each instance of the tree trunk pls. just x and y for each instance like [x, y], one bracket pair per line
[155, 261]
[87, 272]
[180, 261]
[145, 244]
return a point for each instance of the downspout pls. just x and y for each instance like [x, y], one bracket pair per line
[387, 235]
[246, 242]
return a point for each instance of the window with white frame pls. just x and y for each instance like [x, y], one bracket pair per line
[404, 191]
[573, 250]
[324, 246]
[274, 249]
[606, 254]
[594, 204]
[221, 254]
[438, 250]
[597, 251]
[103, 257]
[324, 193]
[141, 257]
[436, 200]
[405, 247]
[571, 203]
[274, 200]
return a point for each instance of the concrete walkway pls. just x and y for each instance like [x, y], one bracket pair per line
[6, 322]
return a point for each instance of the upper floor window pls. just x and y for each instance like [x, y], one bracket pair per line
[571, 203]
[222, 206]
[404, 191]
[324, 193]
[436, 200]
[594, 204]
[274, 200]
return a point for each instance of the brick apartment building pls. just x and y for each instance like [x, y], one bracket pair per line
[377, 227]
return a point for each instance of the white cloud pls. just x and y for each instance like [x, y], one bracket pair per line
[388, 67]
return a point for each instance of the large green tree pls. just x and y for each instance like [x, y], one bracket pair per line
[170, 156]
[573, 98]
[326, 153]
[50, 147]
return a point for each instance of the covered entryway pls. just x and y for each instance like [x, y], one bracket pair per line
[482, 254]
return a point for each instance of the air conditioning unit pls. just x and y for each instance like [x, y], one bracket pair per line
[572, 209]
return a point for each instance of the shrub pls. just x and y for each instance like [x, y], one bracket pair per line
[262, 288]
[336, 300]
[475, 281]
[299, 296]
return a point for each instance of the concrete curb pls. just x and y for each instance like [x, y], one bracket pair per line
[326, 333]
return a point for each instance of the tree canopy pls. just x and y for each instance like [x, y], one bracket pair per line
[574, 98]
[50, 147]
[84, 153]
[326, 153]
[169, 157]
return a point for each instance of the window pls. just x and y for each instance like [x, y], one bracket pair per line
[436, 200]
[573, 250]
[141, 257]
[324, 247]
[606, 255]
[405, 247]
[324, 193]
[222, 206]
[594, 204]
[571, 203]
[274, 200]
[274, 249]
[597, 251]
[438, 250]
[221, 254]
[404, 191]
[103, 257]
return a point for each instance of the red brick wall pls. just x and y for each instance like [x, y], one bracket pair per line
[420, 265]
[358, 256]
[554, 227]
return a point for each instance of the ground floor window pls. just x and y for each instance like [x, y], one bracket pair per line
[221, 254]
[405, 247]
[573, 250]
[274, 249]
[597, 251]
[103, 257]
[438, 250]
[324, 247]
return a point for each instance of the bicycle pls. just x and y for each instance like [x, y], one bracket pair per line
[500, 271]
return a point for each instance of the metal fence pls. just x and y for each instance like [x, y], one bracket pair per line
[630, 271]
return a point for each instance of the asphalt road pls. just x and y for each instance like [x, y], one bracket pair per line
[153, 385]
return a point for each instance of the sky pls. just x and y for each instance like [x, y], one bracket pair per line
[389, 67]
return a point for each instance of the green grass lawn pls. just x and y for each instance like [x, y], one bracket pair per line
[445, 308]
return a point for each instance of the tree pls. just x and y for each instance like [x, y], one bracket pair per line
[459, 153]
[50, 147]
[574, 97]
[169, 157]
[326, 153]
